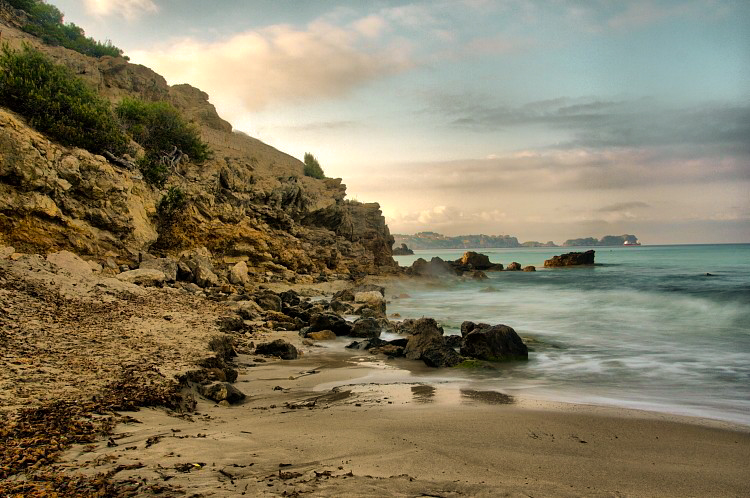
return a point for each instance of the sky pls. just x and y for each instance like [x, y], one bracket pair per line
[541, 119]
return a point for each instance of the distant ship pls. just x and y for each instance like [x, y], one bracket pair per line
[628, 243]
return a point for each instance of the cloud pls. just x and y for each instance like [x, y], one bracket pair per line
[278, 64]
[130, 9]
[623, 206]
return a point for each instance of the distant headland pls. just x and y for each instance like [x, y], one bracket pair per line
[433, 240]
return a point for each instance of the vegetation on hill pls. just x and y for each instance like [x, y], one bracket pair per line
[312, 167]
[164, 135]
[47, 22]
[57, 102]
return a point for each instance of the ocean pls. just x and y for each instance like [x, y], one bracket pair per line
[644, 328]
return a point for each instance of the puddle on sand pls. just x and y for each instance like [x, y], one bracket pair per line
[423, 393]
[488, 397]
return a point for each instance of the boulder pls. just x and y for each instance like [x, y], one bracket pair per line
[468, 326]
[424, 333]
[205, 277]
[514, 266]
[373, 299]
[475, 260]
[402, 251]
[367, 344]
[345, 295]
[529, 268]
[441, 357]
[478, 275]
[269, 301]
[390, 350]
[279, 348]
[453, 341]
[70, 263]
[329, 321]
[436, 267]
[290, 298]
[341, 307]
[144, 277]
[571, 259]
[321, 335]
[167, 266]
[221, 391]
[494, 343]
[249, 310]
[365, 327]
[370, 288]
[238, 275]
[201, 270]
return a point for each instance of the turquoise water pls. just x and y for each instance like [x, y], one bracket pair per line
[644, 328]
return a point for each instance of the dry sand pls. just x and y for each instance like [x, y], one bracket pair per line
[334, 423]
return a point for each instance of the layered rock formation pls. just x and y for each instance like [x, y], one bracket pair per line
[250, 203]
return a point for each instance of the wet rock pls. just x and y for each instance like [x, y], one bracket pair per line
[571, 259]
[221, 391]
[475, 260]
[367, 344]
[279, 348]
[436, 267]
[321, 335]
[514, 266]
[341, 307]
[144, 277]
[365, 327]
[402, 251]
[441, 357]
[329, 321]
[453, 341]
[369, 288]
[167, 266]
[390, 350]
[373, 299]
[478, 275]
[290, 298]
[223, 347]
[468, 326]
[425, 334]
[529, 268]
[494, 343]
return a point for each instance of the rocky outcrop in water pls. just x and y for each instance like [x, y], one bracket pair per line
[571, 259]
[402, 251]
[492, 343]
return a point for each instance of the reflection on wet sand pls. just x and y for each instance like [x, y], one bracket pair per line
[423, 394]
[489, 397]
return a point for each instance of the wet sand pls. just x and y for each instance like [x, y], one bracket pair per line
[296, 434]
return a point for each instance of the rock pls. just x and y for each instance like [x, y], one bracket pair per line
[321, 335]
[373, 299]
[441, 357]
[514, 266]
[329, 321]
[424, 334]
[269, 301]
[230, 323]
[390, 350]
[468, 326]
[369, 288]
[167, 266]
[221, 391]
[478, 275]
[143, 277]
[6, 251]
[279, 348]
[453, 341]
[402, 251]
[201, 268]
[494, 343]
[435, 268]
[205, 277]
[249, 310]
[70, 263]
[571, 259]
[341, 307]
[365, 327]
[475, 260]
[238, 274]
[345, 295]
[290, 298]
[95, 267]
[529, 268]
[370, 343]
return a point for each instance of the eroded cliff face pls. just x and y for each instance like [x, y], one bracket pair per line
[249, 203]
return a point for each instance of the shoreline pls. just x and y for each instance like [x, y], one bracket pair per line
[365, 442]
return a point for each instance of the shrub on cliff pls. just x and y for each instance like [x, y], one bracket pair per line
[57, 102]
[312, 167]
[164, 135]
[46, 22]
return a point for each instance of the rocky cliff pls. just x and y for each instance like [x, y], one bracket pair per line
[249, 203]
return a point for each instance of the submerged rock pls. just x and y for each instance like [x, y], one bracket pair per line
[365, 327]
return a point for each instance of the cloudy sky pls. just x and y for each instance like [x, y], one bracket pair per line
[543, 119]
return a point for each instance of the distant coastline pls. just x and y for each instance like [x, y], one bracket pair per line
[434, 240]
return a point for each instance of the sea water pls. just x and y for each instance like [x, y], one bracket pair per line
[661, 328]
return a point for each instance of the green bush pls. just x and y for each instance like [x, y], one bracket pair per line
[57, 102]
[312, 167]
[164, 135]
[46, 22]
[173, 202]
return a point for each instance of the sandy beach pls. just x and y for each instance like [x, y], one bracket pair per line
[334, 422]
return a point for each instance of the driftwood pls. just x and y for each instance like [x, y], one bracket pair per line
[120, 161]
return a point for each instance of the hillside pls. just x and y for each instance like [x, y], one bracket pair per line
[250, 202]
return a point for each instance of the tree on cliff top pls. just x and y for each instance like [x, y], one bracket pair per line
[312, 167]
